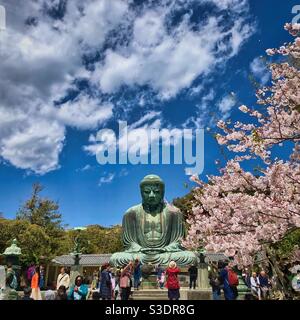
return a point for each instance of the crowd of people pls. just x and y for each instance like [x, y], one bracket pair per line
[223, 278]
[119, 283]
[107, 284]
[261, 286]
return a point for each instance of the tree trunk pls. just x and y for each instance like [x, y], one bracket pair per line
[276, 270]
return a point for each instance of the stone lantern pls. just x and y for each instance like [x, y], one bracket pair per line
[203, 282]
[12, 256]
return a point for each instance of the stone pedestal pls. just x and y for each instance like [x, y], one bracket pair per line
[195, 295]
[75, 271]
[2, 278]
[12, 257]
[203, 282]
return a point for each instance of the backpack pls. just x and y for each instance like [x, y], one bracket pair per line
[233, 278]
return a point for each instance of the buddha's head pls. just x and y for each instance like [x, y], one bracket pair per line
[152, 190]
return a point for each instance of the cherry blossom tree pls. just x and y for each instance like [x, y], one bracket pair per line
[240, 213]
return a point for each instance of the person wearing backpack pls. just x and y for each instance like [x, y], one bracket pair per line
[228, 293]
[233, 282]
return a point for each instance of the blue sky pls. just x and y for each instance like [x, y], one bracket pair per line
[70, 68]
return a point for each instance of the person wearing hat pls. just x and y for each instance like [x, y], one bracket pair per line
[172, 281]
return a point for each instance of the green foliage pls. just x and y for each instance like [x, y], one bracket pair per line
[41, 236]
[185, 204]
[32, 239]
[41, 211]
[35, 244]
[96, 239]
[42, 214]
[285, 247]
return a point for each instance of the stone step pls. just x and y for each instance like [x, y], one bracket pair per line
[158, 294]
[151, 298]
[150, 294]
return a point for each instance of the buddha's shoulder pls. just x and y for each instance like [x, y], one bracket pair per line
[134, 209]
[172, 209]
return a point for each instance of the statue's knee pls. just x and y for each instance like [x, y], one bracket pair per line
[120, 259]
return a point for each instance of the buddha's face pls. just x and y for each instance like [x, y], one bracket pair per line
[152, 194]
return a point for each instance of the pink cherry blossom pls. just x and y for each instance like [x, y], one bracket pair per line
[240, 213]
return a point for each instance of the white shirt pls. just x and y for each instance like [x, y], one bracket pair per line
[63, 280]
[254, 282]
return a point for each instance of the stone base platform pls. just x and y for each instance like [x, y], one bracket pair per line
[151, 281]
[162, 294]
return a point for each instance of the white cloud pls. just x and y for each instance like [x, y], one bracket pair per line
[202, 113]
[153, 115]
[38, 65]
[107, 178]
[34, 146]
[194, 91]
[259, 69]
[84, 112]
[238, 5]
[42, 61]
[87, 167]
[203, 117]
[124, 172]
[226, 104]
[169, 61]
[208, 97]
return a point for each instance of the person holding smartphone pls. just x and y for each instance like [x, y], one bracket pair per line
[78, 291]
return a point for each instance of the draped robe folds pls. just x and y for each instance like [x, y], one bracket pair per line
[159, 251]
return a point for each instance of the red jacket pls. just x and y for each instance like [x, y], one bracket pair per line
[172, 278]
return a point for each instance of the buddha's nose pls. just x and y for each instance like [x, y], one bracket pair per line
[151, 195]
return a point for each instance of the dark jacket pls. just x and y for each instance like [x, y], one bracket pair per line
[193, 271]
[105, 285]
[215, 283]
[264, 281]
